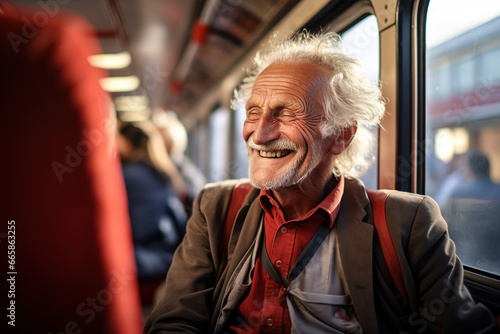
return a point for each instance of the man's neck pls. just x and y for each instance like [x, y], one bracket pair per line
[296, 201]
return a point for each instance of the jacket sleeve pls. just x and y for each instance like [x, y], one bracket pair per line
[440, 301]
[186, 306]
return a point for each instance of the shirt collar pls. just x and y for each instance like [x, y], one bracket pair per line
[330, 204]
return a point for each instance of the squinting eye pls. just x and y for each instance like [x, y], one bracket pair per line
[252, 115]
[287, 115]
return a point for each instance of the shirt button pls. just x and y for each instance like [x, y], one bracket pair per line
[284, 230]
[279, 263]
[270, 322]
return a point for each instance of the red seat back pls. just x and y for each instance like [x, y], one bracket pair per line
[62, 186]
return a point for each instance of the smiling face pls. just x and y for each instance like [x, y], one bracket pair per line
[282, 128]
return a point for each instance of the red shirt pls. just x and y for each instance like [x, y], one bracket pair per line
[264, 309]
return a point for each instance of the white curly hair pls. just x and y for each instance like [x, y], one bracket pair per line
[351, 100]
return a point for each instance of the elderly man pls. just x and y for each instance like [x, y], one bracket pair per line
[303, 256]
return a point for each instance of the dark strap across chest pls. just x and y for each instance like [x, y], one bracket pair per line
[304, 258]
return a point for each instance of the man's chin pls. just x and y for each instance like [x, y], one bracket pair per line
[272, 184]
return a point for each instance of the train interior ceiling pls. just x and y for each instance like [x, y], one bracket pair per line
[185, 57]
[168, 53]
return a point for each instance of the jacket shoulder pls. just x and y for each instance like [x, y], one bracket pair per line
[215, 195]
[399, 202]
[226, 185]
[214, 198]
[411, 216]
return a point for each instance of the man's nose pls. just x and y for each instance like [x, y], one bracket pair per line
[266, 130]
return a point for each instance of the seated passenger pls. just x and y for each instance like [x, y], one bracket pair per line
[157, 214]
[175, 137]
[303, 256]
[472, 213]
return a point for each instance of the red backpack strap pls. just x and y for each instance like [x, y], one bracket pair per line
[240, 192]
[378, 199]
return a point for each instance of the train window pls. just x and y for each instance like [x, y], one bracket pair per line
[362, 42]
[491, 65]
[197, 146]
[463, 125]
[219, 138]
[239, 163]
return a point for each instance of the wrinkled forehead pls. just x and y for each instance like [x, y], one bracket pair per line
[304, 75]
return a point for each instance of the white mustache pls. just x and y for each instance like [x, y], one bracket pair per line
[275, 145]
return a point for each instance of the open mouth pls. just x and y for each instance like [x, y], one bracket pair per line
[274, 154]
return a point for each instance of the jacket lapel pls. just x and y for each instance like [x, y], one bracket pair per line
[246, 224]
[355, 239]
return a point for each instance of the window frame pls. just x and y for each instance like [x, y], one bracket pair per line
[485, 286]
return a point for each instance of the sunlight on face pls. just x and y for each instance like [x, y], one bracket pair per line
[283, 124]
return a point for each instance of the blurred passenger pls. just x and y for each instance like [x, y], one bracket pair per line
[175, 136]
[153, 185]
[478, 183]
[454, 177]
[472, 213]
[437, 171]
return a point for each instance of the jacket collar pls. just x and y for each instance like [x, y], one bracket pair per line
[355, 239]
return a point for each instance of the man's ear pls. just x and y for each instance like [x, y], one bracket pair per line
[343, 139]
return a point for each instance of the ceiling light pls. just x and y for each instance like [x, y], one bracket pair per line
[120, 84]
[111, 61]
[135, 116]
[131, 103]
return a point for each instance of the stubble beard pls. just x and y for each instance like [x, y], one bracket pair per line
[289, 177]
